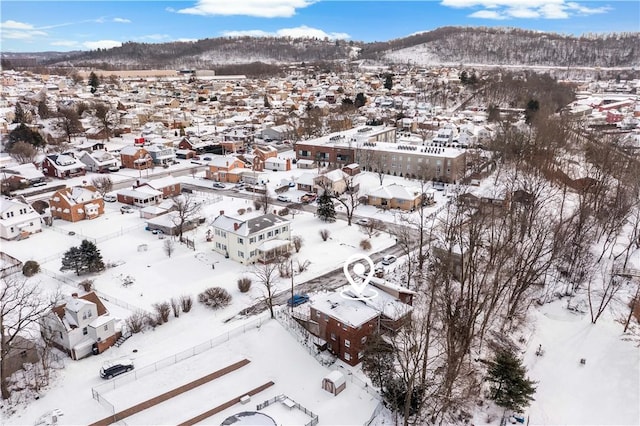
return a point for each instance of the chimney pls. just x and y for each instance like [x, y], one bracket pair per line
[221, 212]
[236, 226]
[74, 295]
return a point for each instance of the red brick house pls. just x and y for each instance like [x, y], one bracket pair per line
[221, 169]
[76, 203]
[169, 186]
[262, 154]
[135, 157]
[62, 166]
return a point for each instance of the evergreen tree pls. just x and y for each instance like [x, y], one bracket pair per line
[83, 259]
[388, 82]
[91, 257]
[24, 134]
[510, 389]
[72, 260]
[326, 210]
[361, 100]
[19, 115]
[94, 82]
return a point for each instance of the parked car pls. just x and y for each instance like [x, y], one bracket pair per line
[126, 209]
[219, 185]
[109, 198]
[362, 221]
[239, 185]
[389, 259]
[283, 198]
[297, 299]
[308, 198]
[111, 369]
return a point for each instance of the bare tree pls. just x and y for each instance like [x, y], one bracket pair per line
[69, 122]
[297, 241]
[324, 234]
[163, 310]
[187, 209]
[107, 118]
[175, 306]
[168, 247]
[350, 199]
[23, 152]
[373, 227]
[103, 184]
[22, 305]
[267, 275]
[265, 201]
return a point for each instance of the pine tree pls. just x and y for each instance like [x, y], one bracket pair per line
[83, 259]
[19, 116]
[72, 260]
[510, 389]
[326, 209]
[388, 82]
[94, 82]
[92, 259]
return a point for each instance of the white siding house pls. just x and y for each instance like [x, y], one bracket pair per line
[261, 239]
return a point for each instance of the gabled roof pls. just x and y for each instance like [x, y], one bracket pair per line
[395, 191]
[250, 226]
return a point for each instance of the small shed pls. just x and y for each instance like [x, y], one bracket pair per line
[334, 382]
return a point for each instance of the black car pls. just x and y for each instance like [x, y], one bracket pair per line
[112, 369]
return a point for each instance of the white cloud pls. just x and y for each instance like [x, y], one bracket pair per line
[257, 8]
[488, 14]
[522, 13]
[154, 37]
[297, 32]
[524, 9]
[101, 44]
[15, 25]
[15, 30]
[122, 20]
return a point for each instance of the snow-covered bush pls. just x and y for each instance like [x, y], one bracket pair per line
[215, 297]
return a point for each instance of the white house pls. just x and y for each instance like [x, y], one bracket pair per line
[260, 239]
[17, 219]
[99, 161]
[81, 326]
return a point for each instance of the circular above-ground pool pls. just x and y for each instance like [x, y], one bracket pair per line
[249, 418]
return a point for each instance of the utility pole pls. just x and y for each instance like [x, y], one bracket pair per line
[291, 266]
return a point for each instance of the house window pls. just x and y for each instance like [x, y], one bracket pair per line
[277, 231]
[284, 229]
[252, 240]
[60, 332]
[333, 336]
[326, 318]
[90, 314]
[269, 234]
[106, 327]
[252, 253]
[347, 343]
[241, 254]
[260, 237]
[318, 314]
[363, 340]
[240, 240]
[360, 354]
[84, 331]
[347, 356]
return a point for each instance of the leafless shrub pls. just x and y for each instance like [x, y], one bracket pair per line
[136, 322]
[241, 211]
[87, 285]
[284, 268]
[175, 307]
[249, 209]
[297, 242]
[168, 247]
[30, 268]
[215, 297]
[186, 302]
[257, 204]
[365, 244]
[302, 266]
[283, 212]
[152, 321]
[324, 234]
[244, 284]
[163, 310]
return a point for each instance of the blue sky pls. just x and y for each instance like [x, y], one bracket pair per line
[35, 26]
